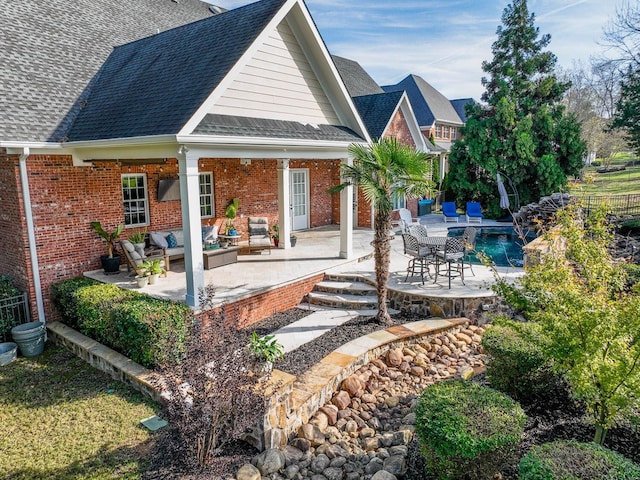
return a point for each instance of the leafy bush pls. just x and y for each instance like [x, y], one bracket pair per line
[7, 288]
[150, 331]
[568, 460]
[517, 364]
[7, 320]
[147, 330]
[467, 430]
[629, 227]
[633, 275]
[64, 298]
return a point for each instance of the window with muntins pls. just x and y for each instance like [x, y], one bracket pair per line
[398, 200]
[135, 199]
[206, 195]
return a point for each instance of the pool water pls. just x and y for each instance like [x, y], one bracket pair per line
[501, 244]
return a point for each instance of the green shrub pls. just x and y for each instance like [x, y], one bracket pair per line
[7, 288]
[467, 430]
[7, 320]
[570, 460]
[149, 331]
[65, 300]
[517, 364]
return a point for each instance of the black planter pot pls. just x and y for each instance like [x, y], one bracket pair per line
[110, 265]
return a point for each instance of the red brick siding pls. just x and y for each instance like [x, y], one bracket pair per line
[15, 260]
[66, 199]
[398, 128]
[248, 311]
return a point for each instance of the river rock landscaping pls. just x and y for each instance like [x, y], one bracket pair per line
[366, 430]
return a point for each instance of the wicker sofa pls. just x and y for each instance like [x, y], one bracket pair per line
[173, 250]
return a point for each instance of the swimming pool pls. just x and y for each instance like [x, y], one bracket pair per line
[501, 244]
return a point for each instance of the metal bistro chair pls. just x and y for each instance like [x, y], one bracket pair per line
[469, 242]
[453, 253]
[420, 254]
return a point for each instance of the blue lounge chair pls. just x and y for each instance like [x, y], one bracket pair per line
[473, 212]
[449, 212]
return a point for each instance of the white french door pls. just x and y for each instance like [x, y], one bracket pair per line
[299, 198]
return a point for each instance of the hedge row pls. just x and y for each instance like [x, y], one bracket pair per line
[147, 330]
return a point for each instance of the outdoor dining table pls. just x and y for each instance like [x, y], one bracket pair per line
[435, 243]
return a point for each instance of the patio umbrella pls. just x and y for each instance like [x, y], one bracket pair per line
[504, 198]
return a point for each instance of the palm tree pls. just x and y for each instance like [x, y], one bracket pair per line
[380, 169]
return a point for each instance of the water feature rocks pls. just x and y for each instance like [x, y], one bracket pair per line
[366, 427]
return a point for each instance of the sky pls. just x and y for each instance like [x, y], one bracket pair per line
[445, 41]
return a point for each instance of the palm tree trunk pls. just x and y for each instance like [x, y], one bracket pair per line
[381, 253]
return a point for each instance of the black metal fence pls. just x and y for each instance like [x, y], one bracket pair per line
[618, 204]
[13, 311]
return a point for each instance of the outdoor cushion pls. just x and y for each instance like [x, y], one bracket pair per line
[159, 239]
[171, 241]
[179, 237]
[210, 234]
[126, 244]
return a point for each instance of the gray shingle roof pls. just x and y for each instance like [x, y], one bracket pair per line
[228, 125]
[355, 78]
[428, 103]
[376, 110]
[50, 50]
[154, 85]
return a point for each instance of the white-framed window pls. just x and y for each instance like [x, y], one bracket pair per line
[454, 133]
[445, 132]
[135, 199]
[207, 205]
[398, 200]
[438, 131]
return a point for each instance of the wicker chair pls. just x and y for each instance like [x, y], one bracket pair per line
[453, 253]
[421, 256]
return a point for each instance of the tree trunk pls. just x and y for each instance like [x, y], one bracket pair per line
[381, 255]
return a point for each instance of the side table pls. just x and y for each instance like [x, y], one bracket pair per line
[233, 239]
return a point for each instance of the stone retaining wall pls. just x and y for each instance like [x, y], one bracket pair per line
[295, 402]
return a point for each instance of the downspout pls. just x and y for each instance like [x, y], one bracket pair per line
[33, 251]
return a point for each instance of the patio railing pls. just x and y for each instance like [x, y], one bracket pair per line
[13, 311]
[618, 204]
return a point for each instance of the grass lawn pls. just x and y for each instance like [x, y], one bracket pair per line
[614, 183]
[61, 419]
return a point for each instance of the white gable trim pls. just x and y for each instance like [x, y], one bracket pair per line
[404, 105]
[305, 31]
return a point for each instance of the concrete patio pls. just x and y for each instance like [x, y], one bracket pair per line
[316, 252]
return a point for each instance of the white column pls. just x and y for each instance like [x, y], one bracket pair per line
[346, 218]
[284, 202]
[190, 199]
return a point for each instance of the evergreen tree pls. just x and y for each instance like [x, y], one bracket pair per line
[521, 129]
[628, 109]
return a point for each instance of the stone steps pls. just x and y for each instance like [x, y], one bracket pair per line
[345, 287]
[344, 301]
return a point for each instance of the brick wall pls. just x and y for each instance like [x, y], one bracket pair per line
[66, 199]
[13, 233]
[398, 128]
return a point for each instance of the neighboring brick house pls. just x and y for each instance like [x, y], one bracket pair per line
[385, 115]
[440, 119]
[245, 103]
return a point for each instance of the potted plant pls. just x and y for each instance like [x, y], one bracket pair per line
[153, 269]
[230, 213]
[275, 235]
[263, 351]
[138, 240]
[110, 261]
[293, 239]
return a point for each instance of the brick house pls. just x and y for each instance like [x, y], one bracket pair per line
[246, 103]
[385, 114]
[440, 119]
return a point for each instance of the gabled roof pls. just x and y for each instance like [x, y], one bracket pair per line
[376, 111]
[459, 104]
[428, 103]
[50, 51]
[153, 86]
[355, 78]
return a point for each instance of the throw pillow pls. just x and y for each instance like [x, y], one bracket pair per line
[171, 241]
[158, 239]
